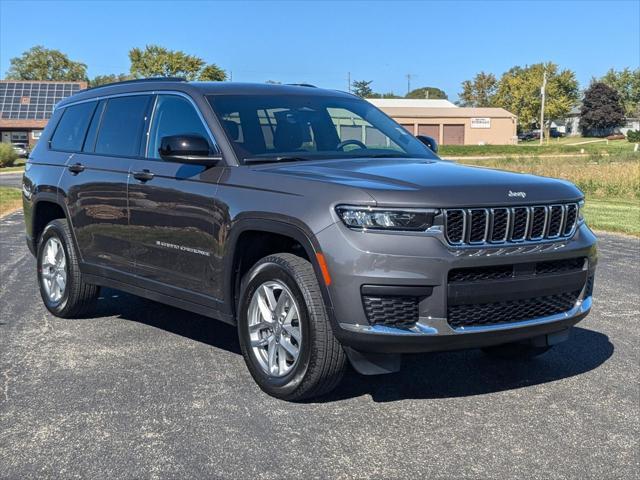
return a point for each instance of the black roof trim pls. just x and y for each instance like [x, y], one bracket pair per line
[301, 85]
[141, 80]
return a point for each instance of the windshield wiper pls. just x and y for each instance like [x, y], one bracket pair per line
[274, 159]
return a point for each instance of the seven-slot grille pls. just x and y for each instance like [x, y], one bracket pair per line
[475, 226]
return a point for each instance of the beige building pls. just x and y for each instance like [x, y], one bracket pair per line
[452, 125]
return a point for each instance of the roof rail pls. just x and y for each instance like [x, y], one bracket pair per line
[301, 85]
[141, 80]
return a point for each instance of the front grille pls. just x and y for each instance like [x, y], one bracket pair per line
[498, 272]
[475, 226]
[482, 314]
[392, 311]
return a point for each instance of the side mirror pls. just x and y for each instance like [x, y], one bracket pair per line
[430, 142]
[192, 149]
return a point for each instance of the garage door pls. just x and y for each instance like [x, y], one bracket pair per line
[453, 134]
[432, 131]
[408, 126]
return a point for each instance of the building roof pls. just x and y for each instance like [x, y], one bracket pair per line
[29, 103]
[411, 103]
[459, 112]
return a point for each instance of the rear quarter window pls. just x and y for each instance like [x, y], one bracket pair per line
[122, 124]
[72, 128]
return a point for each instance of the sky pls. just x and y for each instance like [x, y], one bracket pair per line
[440, 44]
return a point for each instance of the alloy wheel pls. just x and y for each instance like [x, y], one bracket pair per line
[274, 328]
[53, 268]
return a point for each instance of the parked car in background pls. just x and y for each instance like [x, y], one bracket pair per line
[526, 136]
[21, 149]
[555, 133]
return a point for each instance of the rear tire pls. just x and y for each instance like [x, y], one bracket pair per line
[63, 291]
[309, 361]
[515, 351]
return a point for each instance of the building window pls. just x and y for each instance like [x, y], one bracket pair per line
[18, 137]
[36, 134]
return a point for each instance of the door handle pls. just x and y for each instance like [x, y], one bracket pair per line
[144, 176]
[76, 168]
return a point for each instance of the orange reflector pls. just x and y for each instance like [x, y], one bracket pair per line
[323, 268]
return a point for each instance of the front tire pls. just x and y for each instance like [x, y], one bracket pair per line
[285, 333]
[63, 291]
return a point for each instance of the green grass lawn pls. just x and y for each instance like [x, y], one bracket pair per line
[10, 200]
[563, 147]
[613, 215]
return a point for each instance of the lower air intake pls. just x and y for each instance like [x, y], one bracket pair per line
[482, 314]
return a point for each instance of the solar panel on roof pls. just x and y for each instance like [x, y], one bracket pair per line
[32, 100]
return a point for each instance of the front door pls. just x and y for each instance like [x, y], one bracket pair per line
[174, 218]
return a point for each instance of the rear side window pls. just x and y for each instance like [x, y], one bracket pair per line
[121, 127]
[72, 127]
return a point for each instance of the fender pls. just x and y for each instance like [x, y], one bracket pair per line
[282, 225]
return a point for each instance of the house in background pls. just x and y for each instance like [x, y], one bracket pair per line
[572, 125]
[450, 124]
[26, 107]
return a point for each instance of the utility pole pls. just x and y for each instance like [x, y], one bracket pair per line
[543, 92]
[408, 75]
[349, 82]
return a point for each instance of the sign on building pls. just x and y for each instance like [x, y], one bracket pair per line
[481, 122]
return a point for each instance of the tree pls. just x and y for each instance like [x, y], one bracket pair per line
[361, 88]
[627, 83]
[519, 92]
[111, 78]
[601, 111]
[157, 61]
[212, 73]
[427, 92]
[384, 95]
[39, 63]
[480, 91]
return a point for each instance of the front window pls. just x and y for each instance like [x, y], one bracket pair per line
[310, 127]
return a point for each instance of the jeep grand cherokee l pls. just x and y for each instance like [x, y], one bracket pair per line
[309, 219]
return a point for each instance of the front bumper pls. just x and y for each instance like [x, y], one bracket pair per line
[357, 259]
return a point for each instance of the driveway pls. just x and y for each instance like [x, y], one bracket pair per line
[140, 390]
[11, 180]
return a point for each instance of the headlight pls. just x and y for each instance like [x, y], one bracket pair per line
[581, 211]
[379, 218]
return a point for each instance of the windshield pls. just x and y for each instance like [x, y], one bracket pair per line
[310, 127]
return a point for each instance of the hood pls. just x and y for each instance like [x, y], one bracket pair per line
[423, 182]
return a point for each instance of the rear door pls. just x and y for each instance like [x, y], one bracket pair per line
[96, 180]
[174, 217]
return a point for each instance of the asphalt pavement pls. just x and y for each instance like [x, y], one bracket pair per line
[11, 179]
[141, 390]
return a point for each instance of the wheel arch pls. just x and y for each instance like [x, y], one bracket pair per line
[45, 208]
[286, 228]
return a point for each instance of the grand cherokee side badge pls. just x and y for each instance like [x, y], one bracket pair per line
[517, 194]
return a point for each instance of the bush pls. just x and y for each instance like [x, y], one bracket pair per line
[633, 136]
[7, 155]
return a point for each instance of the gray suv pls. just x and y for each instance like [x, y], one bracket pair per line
[309, 219]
